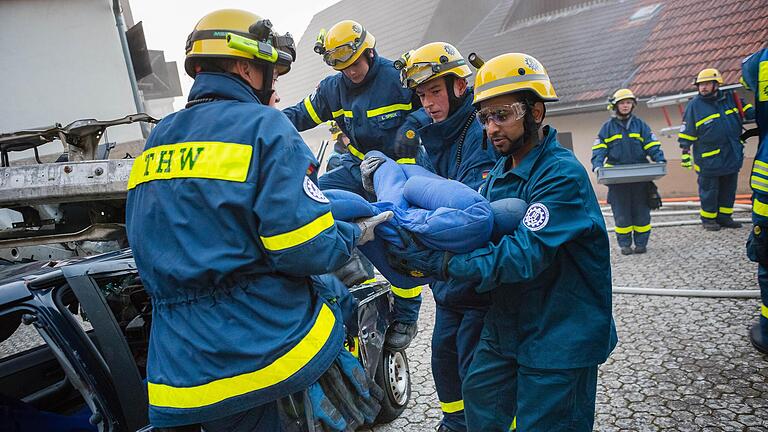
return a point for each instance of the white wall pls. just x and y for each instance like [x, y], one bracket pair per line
[62, 61]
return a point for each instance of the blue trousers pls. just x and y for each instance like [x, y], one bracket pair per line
[262, 418]
[762, 280]
[629, 204]
[717, 194]
[501, 394]
[347, 177]
[456, 334]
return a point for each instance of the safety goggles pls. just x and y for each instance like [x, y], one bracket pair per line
[417, 73]
[343, 52]
[501, 113]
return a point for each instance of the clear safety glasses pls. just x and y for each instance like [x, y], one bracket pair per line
[501, 113]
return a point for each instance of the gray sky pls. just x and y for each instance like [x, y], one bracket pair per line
[168, 22]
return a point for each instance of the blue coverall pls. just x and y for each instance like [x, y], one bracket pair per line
[226, 229]
[755, 77]
[550, 322]
[460, 310]
[712, 125]
[370, 114]
[622, 142]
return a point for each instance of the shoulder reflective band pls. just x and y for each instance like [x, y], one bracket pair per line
[651, 144]
[311, 110]
[389, 109]
[710, 153]
[686, 137]
[452, 407]
[209, 160]
[299, 235]
[636, 136]
[258, 49]
[406, 292]
[511, 80]
[759, 208]
[599, 146]
[613, 138]
[707, 118]
[161, 395]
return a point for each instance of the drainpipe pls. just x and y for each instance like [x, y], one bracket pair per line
[117, 9]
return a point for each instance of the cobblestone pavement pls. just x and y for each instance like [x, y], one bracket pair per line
[682, 364]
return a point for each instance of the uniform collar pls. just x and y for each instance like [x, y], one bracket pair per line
[221, 86]
[526, 165]
[376, 62]
[619, 122]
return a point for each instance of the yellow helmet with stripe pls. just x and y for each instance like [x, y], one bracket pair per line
[431, 61]
[212, 34]
[344, 43]
[620, 95]
[512, 73]
[709, 74]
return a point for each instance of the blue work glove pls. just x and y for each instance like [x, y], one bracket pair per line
[323, 409]
[757, 245]
[407, 141]
[415, 260]
[354, 371]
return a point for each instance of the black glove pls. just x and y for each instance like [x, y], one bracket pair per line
[407, 141]
[757, 245]
[414, 260]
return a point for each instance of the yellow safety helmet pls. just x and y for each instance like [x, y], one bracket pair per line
[432, 60]
[343, 44]
[512, 73]
[709, 74]
[620, 95]
[258, 42]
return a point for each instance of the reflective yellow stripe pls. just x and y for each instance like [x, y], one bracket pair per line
[758, 183]
[707, 214]
[613, 138]
[513, 426]
[341, 112]
[696, 167]
[762, 82]
[759, 208]
[369, 281]
[759, 171]
[355, 152]
[707, 118]
[389, 109]
[642, 229]
[686, 137]
[651, 144]
[764, 311]
[406, 161]
[452, 407]
[209, 160]
[730, 111]
[761, 164]
[637, 136]
[746, 107]
[608, 165]
[624, 230]
[311, 110]
[726, 210]
[406, 292]
[162, 395]
[299, 235]
[710, 153]
[599, 146]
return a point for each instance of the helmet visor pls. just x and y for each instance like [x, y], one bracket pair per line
[416, 74]
[340, 54]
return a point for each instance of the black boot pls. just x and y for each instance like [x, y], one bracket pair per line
[729, 223]
[400, 335]
[759, 338]
[626, 250]
[444, 428]
[710, 225]
[640, 249]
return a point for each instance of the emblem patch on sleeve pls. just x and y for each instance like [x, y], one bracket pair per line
[312, 191]
[536, 217]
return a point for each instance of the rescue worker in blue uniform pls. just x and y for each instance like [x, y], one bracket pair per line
[438, 73]
[627, 139]
[712, 125]
[226, 228]
[372, 109]
[550, 322]
[755, 78]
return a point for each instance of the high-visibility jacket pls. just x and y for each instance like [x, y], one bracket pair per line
[755, 78]
[455, 148]
[712, 125]
[226, 229]
[550, 279]
[369, 113]
[623, 143]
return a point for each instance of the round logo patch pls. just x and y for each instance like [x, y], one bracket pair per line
[313, 191]
[536, 217]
